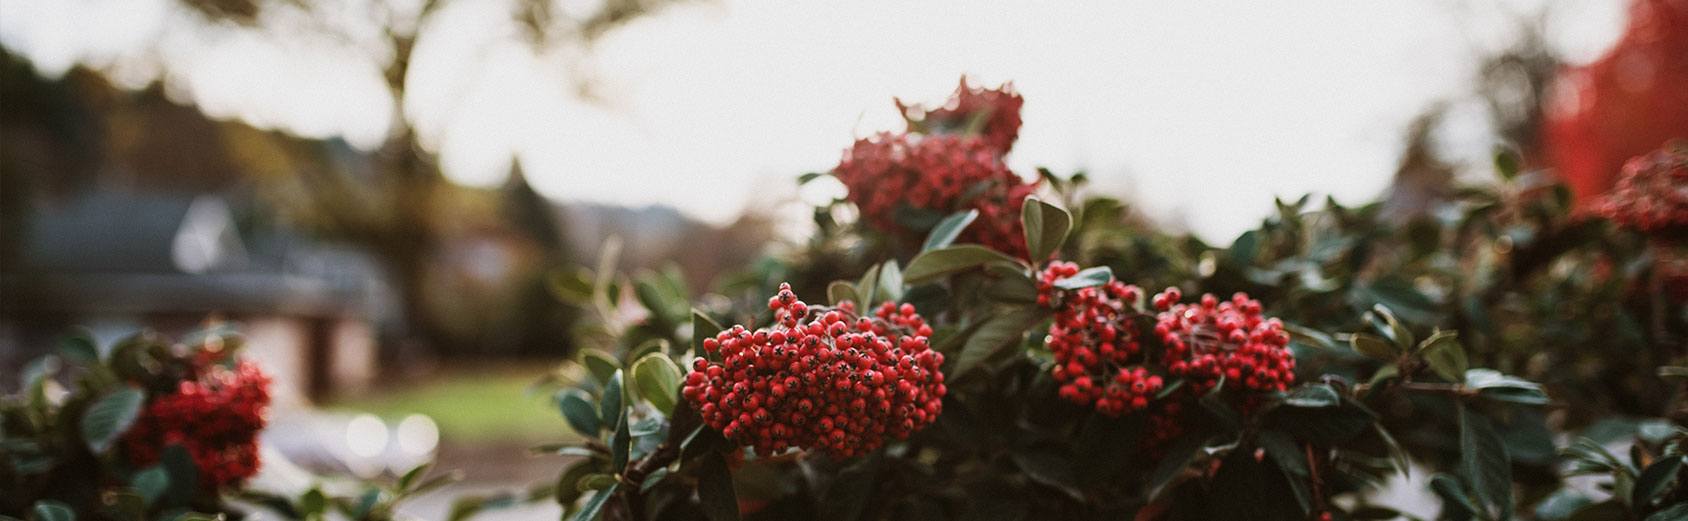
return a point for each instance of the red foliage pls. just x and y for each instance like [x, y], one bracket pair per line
[216, 417]
[820, 379]
[1631, 101]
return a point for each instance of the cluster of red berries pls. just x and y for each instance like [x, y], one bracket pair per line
[996, 111]
[1098, 360]
[820, 379]
[942, 174]
[1652, 193]
[1231, 339]
[216, 416]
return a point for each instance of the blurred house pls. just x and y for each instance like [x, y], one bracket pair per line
[116, 262]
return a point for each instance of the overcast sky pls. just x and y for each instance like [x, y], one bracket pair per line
[1198, 111]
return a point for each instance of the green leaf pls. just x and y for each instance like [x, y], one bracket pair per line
[621, 442]
[934, 264]
[1244, 250]
[948, 229]
[1046, 226]
[1013, 288]
[1655, 480]
[1312, 396]
[1000, 333]
[1096, 276]
[1561, 505]
[1397, 454]
[596, 481]
[658, 381]
[612, 404]
[1677, 512]
[702, 327]
[577, 409]
[151, 483]
[49, 510]
[1506, 163]
[1292, 462]
[1397, 332]
[600, 364]
[1178, 458]
[109, 416]
[79, 348]
[715, 489]
[1456, 502]
[891, 281]
[868, 288]
[1484, 463]
[1493, 385]
[1447, 359]
[839, 291]
[1373, 346]
[595, 506]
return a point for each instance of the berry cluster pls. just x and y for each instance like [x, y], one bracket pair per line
[820, 379]
[1652, 193]
[1098, 359]
[1204, 342]
[993, 113]
[215, 416]
[943, 174]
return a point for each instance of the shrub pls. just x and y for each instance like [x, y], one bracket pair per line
[1468, 340]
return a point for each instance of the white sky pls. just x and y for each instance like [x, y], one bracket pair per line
[1198, 111]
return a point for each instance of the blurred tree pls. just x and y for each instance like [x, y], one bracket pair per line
[395, 211]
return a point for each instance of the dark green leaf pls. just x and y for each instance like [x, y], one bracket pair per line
[1014, 288]
[1373, 346]
[621, 443]
[934, 264]
[1484, 463]
[1312, 396]
[1447, 359]
[1003, 331]
[658, 381]
[600, 364]
[715, 489]
[1655, 480]
[1506, 163]
[1292, 462]
[1046, 227]
[110, 416]
[1177, 459]
[577, 409]
[948, 229]
[1677, 512]
[151, 483]
[1456, 502]
[702, 327]
[79, 348]
[1096, 276]
[598, 481]
[612, 405]
[595, 505]
[1561, 505]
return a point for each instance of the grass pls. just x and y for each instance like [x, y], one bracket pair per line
[475, 405]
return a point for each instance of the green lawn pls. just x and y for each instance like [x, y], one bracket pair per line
[471, 405]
